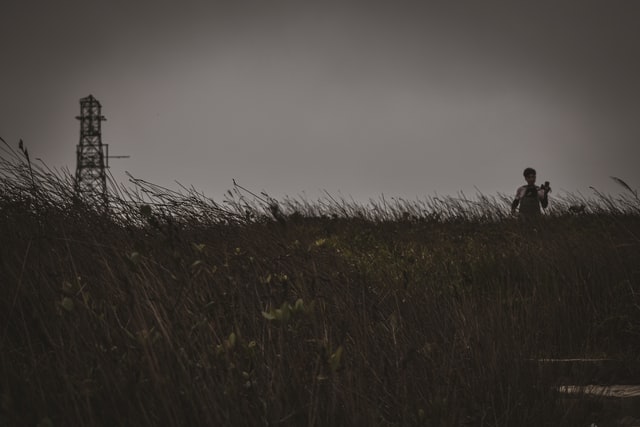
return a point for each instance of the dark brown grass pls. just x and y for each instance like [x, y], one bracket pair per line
[171, 309]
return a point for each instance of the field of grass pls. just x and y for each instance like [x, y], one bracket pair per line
[172, 309]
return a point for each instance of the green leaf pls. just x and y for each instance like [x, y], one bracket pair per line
[67, 304]
[334, 359]
[199, 246]
[268, 316]
[265, 280]
[285, 312]
[232, 340]
[320, 242]
[132, 260]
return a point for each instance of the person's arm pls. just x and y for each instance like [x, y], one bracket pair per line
[543, 196]
[516, 201]
[514, 205]
[545, 200]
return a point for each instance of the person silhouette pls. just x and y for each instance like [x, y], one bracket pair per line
[530, 197]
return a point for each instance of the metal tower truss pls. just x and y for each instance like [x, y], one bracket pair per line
[91, 179]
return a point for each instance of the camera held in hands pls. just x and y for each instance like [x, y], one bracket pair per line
[532, 190]
[546, 187]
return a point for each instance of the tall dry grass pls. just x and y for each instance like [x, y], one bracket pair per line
[172, 309]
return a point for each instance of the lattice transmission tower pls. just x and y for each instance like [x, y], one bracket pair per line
[92, 162]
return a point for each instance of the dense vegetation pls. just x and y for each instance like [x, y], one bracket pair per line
[171, 309]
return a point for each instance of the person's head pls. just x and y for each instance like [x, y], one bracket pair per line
[530, 175]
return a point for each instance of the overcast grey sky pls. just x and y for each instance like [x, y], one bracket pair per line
[354, 97]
